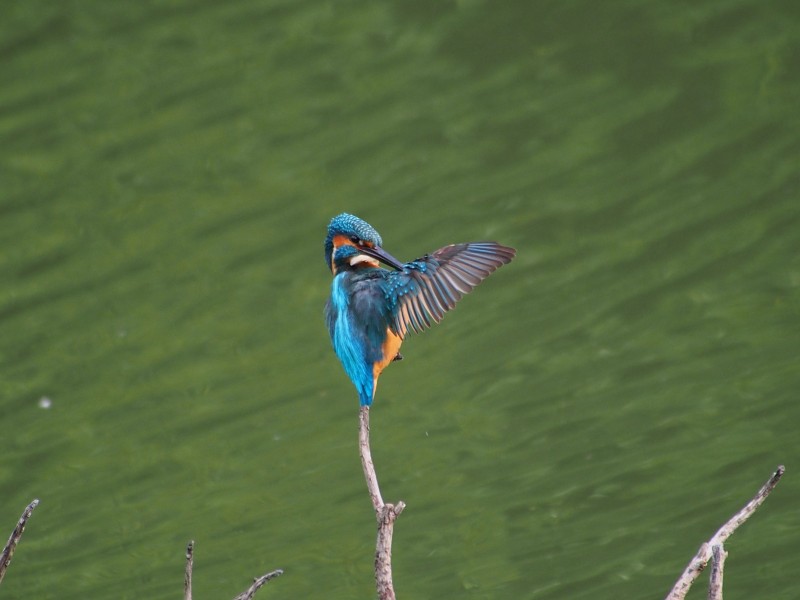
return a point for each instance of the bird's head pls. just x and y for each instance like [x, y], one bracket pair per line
[352, 242]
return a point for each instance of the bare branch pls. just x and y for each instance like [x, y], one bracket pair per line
[700, 560]
[718, 556]
[245, 595]
[366, 459]
[740, 517]
[11, 545]
[386, 514]
[257, 583]
[187, 577]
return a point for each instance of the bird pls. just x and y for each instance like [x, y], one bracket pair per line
[371, 309]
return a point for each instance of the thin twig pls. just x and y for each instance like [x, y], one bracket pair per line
[187, 576]
[366, 460]
[386, 514]
[257, 583]
[718, 556]
[245, 595]
[700, 560]
[11, 545]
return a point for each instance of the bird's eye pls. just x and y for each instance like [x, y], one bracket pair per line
[355, 240]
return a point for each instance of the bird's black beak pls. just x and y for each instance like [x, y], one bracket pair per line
[383, 256]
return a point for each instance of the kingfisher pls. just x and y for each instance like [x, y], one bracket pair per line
[371, 309]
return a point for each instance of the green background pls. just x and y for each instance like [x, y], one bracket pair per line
[574, 429]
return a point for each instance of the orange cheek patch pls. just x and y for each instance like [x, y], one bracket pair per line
[339, 241]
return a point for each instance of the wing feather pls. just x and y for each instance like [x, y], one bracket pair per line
[430, 286]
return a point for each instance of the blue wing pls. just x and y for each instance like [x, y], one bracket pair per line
[426, 288]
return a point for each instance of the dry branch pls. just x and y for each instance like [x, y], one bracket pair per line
[386, 514]
[245, 595]
[718, 555]
[700, 560]
[257, 583]
[11, 545]
[187, 576]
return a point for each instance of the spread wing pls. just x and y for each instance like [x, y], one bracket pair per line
[428, 287]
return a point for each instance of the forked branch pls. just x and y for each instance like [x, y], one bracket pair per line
[717, 544]
[386, 514]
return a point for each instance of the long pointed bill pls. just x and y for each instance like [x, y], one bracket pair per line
[381, 255]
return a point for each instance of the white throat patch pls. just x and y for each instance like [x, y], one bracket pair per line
[363, 258]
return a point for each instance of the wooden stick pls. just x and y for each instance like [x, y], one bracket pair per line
[11, 545]
[366, 460]
[386, 514]
[700, 560]
[257, 583]
[245, 595]
[187, 576]
[718, 556]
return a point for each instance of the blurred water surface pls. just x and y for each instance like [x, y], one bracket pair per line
[574, 429]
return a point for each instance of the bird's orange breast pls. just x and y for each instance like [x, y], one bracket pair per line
[390, 347]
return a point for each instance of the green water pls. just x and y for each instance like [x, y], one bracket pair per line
[574, 429]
